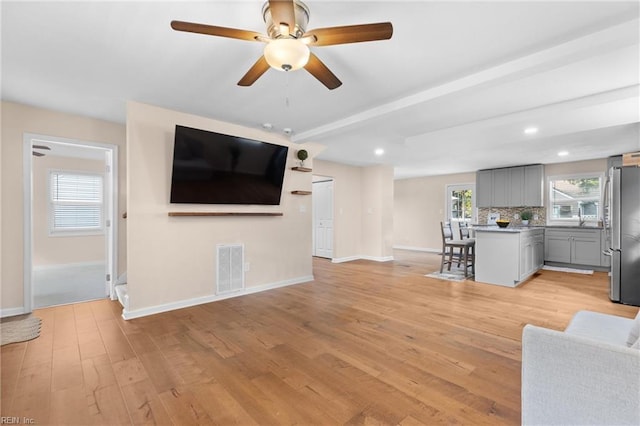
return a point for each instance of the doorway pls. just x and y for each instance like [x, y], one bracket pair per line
[322, 216]
[70, 229]
[460, 200]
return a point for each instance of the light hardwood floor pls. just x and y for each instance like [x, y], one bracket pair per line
[365, 343]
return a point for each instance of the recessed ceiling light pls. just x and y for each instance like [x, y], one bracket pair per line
[379, 151]
[267, 126]
[563, 153]
[530, 130]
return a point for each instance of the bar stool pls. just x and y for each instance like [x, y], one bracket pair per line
[466, 255]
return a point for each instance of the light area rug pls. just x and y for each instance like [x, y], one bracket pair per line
[453, 275]
[19, 329]
[572, 270]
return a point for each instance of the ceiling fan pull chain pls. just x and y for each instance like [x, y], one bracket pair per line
[286, 89]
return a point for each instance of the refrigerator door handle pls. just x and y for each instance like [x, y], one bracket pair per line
[607, 253]
[615, 209]
[614, 289]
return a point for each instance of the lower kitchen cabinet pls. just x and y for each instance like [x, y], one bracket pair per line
[531, 253]
[508, 257]
[577, 246]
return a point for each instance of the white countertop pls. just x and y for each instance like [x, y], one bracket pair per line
[509, 229]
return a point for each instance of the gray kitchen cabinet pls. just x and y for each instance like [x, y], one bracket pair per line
[501, 188]
[578, 246]
[533, 186]
[557, 246]
[484, 188]
[508, 257]
[531, 252]
[516, 186]
[510, 187]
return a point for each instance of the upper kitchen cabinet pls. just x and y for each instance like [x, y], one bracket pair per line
[533, 186]
[501, 188]
[484, 188]
[510, 187]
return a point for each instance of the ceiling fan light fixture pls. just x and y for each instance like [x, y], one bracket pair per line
[286, 54]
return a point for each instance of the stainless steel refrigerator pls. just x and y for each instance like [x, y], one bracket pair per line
[622, 222]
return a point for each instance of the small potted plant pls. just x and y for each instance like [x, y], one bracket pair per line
[526, 216]
[302, 155]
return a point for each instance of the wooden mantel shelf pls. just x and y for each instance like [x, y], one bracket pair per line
[184, 214]
[301, 169]
[299, 192]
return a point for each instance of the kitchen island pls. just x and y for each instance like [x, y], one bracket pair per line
[508, 256]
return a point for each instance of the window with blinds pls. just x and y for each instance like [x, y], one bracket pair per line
[76, 202]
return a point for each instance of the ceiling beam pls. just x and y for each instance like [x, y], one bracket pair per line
[592, 45]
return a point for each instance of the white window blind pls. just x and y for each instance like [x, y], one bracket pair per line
[76, 202]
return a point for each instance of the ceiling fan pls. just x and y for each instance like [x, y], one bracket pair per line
[288, 41]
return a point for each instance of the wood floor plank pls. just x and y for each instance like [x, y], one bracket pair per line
[144, 405]
[69, 406]
[365, 343]
[106, 406]
[184, 408]
[115, 341]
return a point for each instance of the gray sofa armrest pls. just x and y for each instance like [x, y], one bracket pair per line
[573, 380]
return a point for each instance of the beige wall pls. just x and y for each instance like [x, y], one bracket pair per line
[60, 249]
[17, 120]
[419, 203]
[419, 207]
[363, 209]
[347, 206]
[172, 260]
[377, 206]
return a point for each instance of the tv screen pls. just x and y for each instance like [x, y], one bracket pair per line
[214, 168]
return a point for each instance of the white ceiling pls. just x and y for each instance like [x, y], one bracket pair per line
[452, 91]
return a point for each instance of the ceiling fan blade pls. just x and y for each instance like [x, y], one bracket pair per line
[254, 73]
[42, 147]
[37, 154]
[320, 71]
[213, 30]
[283, 13]
[350, 34]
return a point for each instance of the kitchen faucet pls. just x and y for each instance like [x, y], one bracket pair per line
[580, 220]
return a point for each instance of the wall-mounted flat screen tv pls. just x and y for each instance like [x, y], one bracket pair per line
[214, 168]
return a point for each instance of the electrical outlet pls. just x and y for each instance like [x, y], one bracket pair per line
[536, 217]
[247, 266]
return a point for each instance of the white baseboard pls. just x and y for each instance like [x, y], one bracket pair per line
[345, 259]
[377, 258]
[137, 313]
[10, 312]
[362, 257]
[423, 249]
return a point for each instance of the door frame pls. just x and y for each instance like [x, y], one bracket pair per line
[447, 202]
[110, 213]
[321, 179]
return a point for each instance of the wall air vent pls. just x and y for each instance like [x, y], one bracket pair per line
[230, 268]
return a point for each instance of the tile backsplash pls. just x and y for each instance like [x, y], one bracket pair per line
[509, 212]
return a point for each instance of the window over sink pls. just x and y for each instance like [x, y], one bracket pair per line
[575, 199]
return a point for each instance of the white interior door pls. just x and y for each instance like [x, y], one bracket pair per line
[323, 219]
